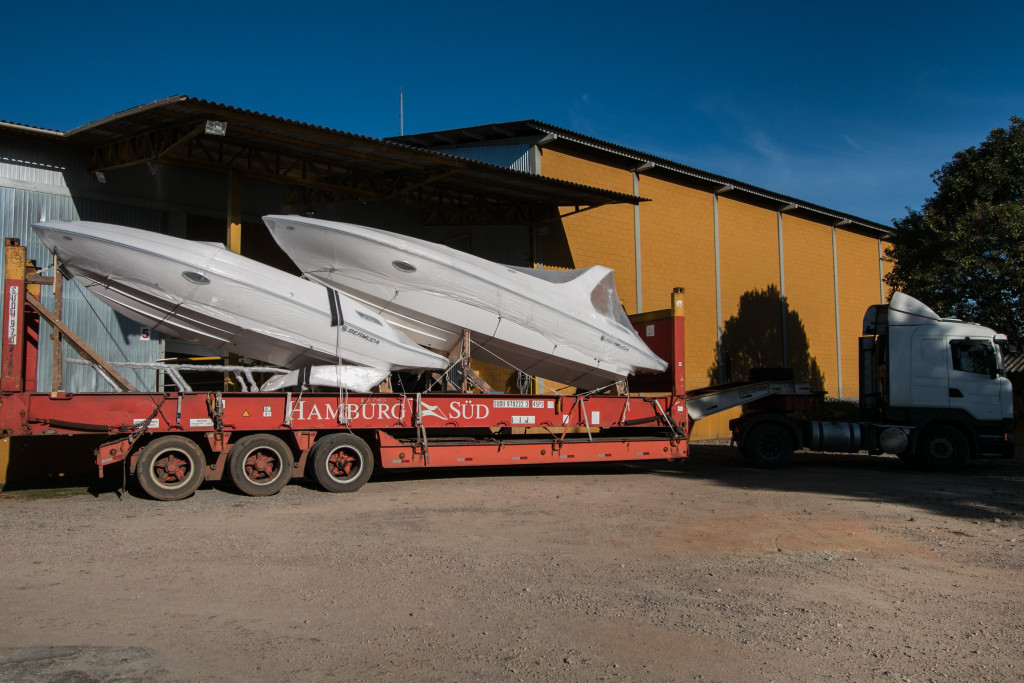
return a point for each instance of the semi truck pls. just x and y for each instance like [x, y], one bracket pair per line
[932, 393]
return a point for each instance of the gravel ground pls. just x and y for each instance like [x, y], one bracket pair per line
[838, 568]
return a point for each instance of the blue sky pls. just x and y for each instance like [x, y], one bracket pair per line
[851, 106]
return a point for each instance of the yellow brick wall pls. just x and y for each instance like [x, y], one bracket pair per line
[602, 236]
[677, 250]
[807, 247]
[748, 239]
[748, 243]
[858, 289]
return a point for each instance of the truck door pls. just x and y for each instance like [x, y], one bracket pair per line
[974, 382]
[929, 373]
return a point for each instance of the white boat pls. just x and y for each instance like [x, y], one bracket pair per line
[565, 326]
[202, 292]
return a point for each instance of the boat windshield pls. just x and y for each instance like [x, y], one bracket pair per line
[606, 300]
[557, 277]
[603, 297]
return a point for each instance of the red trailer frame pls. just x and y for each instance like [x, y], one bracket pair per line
[264, 439]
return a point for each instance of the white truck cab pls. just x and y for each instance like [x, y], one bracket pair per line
[932, 391]
[922, 361]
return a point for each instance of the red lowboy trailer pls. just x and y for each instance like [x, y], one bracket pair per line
[172, 441]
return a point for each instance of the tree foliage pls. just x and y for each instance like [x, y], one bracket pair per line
[963, 252]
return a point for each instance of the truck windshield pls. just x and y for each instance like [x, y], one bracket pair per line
[977, 356]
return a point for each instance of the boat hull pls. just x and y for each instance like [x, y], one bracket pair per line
[204, 293]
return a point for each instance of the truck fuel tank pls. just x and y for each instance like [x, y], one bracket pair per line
[850, 437]
[838, 437]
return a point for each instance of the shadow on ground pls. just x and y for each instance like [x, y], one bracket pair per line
[983, 489]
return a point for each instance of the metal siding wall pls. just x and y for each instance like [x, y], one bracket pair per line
[41, 180]
[516, 157]
[111, 335]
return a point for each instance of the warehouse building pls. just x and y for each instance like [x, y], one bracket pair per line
[769, 280]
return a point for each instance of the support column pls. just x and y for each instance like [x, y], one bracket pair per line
[881, 273]
[835, 294]
[637, 256]
[234, 243]
[718, 296]
[12, 374]
[234, 227]
[57, 360]
[783, 306]
[718, 285]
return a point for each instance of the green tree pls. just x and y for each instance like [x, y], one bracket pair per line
[963, 252]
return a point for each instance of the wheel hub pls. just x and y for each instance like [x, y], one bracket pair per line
[259, 466]
[341, 464]
[170, 469]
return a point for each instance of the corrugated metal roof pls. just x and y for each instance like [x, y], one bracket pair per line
[518, 129]
[21, 127]
[167, 128]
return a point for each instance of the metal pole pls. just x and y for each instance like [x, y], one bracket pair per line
[57, 371]
[718, 296]
[835, 294]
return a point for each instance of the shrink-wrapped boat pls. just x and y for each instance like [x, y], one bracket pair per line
[204, 293]
[566, 326]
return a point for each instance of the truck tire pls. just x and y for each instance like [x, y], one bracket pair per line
[171, 468]
[341, 462]
[942, 448]
[260, 464]
[768, 445]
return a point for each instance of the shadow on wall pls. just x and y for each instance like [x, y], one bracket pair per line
[756, 337]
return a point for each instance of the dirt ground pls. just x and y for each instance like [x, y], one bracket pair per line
[838, 568]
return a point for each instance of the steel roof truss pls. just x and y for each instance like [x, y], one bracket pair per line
[149, 146]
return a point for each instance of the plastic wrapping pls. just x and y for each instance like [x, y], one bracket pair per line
[202, 292]
[350, 377]
[566, 326]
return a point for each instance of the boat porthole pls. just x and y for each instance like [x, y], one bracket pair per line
[197, 278]
[404, 266]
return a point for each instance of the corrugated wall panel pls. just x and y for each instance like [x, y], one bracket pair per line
[111, 335]
[516, 157]
[48, 168]
[39, 166]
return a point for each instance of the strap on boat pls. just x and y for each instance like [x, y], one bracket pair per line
[421, 431]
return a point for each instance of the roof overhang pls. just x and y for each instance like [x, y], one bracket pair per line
[318, 164]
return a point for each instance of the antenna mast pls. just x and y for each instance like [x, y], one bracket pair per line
[401, 113]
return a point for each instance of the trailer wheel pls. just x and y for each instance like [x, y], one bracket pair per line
[769, 446]
[171, 468]
[341, 462]
[942, 448]
[260, 464]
